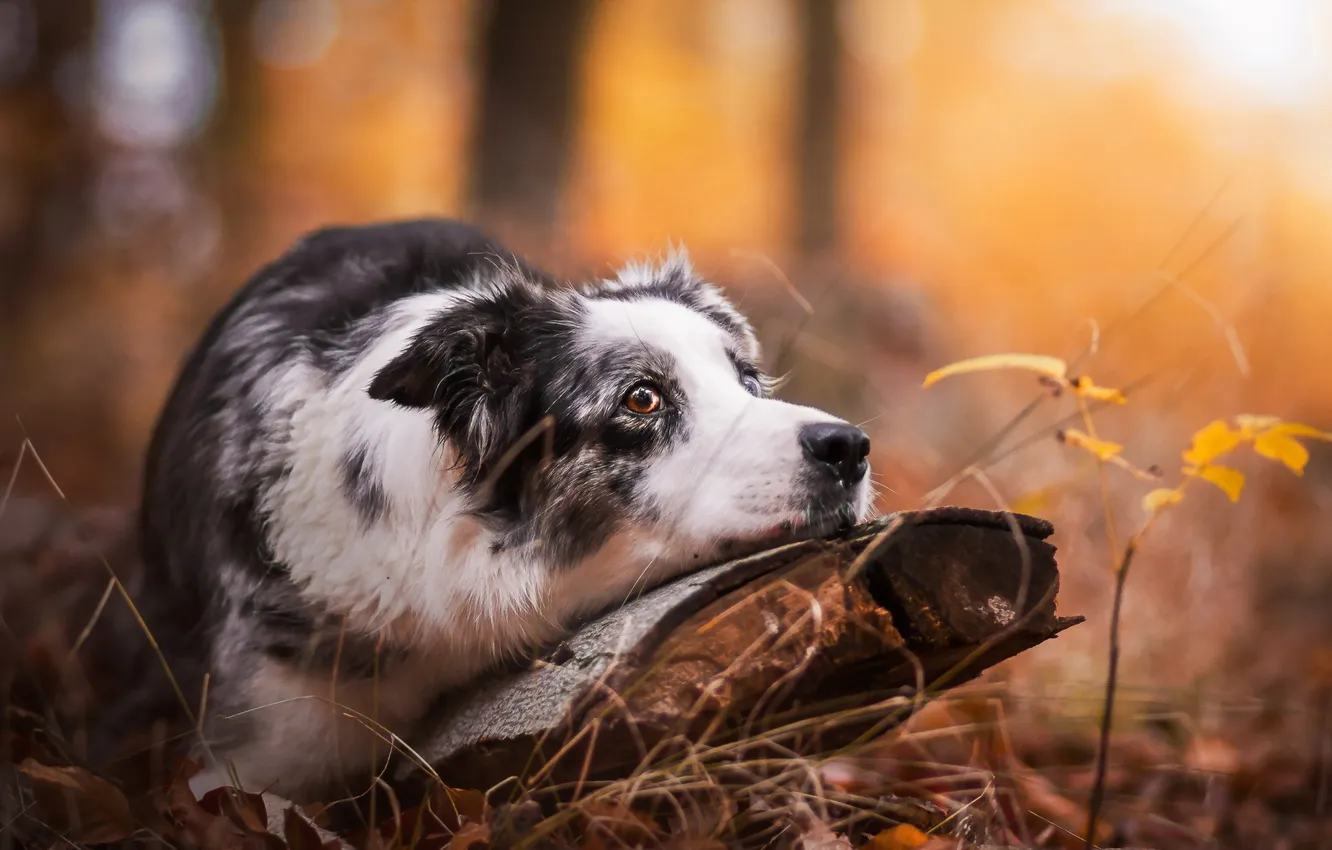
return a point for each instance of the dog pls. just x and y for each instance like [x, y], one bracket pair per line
[401, 456]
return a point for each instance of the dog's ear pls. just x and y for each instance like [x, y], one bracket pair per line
[407, 379]
[461, 362]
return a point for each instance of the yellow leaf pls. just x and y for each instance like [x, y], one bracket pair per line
[1250, 424]
[1231, 481]
[1295, 429]
[1160, 498]
[1101, 448]
[1051, 367]
[1084, 387]
[1280, 447]
[1211, 442]
[904, 836]
[1032, 503]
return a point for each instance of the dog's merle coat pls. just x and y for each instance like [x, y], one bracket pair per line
[401, 454]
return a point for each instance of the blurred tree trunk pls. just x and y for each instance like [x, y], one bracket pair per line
[526, 108]
[45, 162]
[43, 152]
[238, 97]
[819, 110]
[229, 143]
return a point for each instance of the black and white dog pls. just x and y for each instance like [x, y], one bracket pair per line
[401, 455]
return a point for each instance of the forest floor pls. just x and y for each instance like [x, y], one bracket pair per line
[1000, 767]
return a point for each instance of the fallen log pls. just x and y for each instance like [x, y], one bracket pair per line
[803, 648]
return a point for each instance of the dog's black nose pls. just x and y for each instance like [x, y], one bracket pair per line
[842, 447]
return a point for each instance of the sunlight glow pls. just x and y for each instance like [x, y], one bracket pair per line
[1277, 50]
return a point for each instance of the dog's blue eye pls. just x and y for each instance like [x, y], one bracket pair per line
[752, 384]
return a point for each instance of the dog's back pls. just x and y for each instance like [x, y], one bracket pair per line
[209, 458]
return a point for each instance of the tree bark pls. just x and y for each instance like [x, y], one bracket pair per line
[526, 109]
[805, 647]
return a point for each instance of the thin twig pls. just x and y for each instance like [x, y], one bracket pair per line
[1103, 747]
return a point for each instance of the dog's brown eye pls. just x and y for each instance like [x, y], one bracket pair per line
[643, 399]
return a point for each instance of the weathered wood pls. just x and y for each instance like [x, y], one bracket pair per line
[805, 646]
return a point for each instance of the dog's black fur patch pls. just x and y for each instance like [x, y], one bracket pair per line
[362, 486]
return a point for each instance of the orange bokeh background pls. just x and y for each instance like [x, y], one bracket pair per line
[1033, 175]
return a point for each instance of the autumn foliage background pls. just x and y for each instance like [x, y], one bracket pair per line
[1145, 184]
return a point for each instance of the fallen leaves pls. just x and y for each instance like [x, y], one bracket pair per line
[89, 810]
[469, 836]
[447, 819]
[904, 836]
[78, 804]
[300, 834]
[224, 819]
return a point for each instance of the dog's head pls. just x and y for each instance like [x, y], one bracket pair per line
[632, 408]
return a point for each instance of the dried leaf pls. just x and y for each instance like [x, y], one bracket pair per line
[1051, 367]
[73, 801]
[453, 807]
[1231, 481]
[1211, 442]
[1282, 448]
[471, 835]
[1084, 387]
[901, 837]
[245, 810]
[199, 827]
[1212, 755]
[1160, 498]
[1101, 448]
[300, 834]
